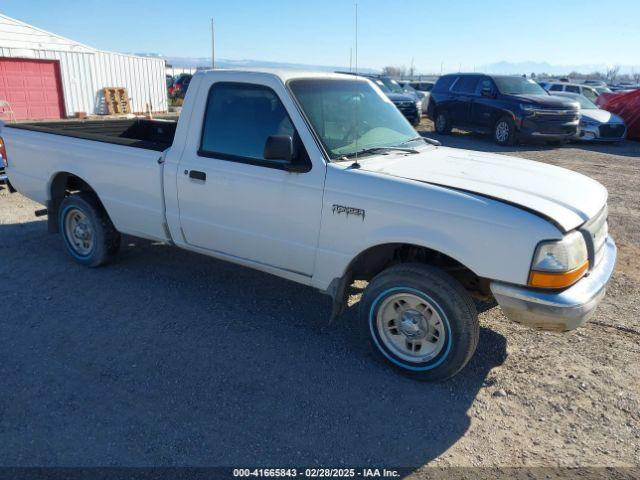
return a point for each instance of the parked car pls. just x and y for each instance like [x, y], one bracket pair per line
[602, 89]
[422, 96]
[595, 83]
[180, 85]
[409, 104]
[319, 179]
[422, 85]
[590, 92]
[509, 107]
[169, 81]
[595, 123]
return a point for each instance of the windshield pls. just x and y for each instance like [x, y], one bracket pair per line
[350, 116]
[518, 86]
[584, 102]
[381, 85]
[392, 85]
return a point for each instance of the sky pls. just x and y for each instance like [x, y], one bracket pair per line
[433, 34]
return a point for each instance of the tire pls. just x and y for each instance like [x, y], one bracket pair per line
[442, 123]
[87, 232]
[504, 132]
[448, 335]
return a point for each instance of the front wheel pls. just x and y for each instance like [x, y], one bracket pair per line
[504, 131]
[421, 320]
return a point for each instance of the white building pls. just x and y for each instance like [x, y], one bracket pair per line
[43, 75]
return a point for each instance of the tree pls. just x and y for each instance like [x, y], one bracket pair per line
[612, 73]
[393, 71]
[636, 76]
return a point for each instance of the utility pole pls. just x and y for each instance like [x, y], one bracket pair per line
[350, 58]
[213, 46]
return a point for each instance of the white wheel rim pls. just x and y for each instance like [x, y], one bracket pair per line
[502, 131]
[410, 327]
[79, 232]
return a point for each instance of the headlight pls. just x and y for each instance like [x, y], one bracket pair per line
[588, 122]
[559, 264]
[527, 107]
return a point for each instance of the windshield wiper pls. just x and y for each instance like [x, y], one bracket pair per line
[426, 139]
[380, 149]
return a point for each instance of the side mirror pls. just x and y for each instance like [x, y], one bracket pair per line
[487, 92]
[279, 147]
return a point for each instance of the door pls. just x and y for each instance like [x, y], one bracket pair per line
[463, 92]
[233, 201]
[32, 87]
[483, 106]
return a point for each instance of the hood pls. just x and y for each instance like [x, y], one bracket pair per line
[563, 196]
[400, 97]
[601, 116]
[548, 101]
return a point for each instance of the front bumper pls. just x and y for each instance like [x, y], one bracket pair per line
[558, 311]
[535, 126]
[591, 133]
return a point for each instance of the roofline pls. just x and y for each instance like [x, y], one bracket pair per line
[46, 31]
[73, 42]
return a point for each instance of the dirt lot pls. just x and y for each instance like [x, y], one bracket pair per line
[170, 358]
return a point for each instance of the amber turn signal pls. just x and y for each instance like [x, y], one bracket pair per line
[557, 280]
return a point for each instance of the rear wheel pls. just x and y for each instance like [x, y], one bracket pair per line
[504, 131]
[442, 123]
[421, 320]
[88, 234]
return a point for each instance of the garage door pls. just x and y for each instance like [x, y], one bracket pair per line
[32, 87]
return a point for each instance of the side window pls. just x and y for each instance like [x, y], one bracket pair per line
[556, 87]
[444, 83]
[573, 88]
[239, 119]
[484, 84]
[466, 84]
[590, 94]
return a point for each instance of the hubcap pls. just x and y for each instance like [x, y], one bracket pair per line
[502, 131]
[79, 232]
[410, 327]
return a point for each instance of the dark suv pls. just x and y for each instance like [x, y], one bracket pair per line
[408, 103]
[508, 107]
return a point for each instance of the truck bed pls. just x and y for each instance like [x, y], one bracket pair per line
[139, 133]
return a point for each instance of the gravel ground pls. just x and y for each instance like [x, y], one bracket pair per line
[163, 359]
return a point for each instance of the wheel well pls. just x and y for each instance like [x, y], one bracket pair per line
[63, 184]
[374, 260]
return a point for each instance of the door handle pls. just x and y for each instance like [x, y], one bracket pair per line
[196, 175]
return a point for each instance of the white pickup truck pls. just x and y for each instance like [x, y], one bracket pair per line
[319, 179]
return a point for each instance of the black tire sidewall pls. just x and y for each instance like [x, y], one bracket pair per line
[98, 252]
[446, 128]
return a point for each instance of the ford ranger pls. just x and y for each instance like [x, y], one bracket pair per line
[319, 179]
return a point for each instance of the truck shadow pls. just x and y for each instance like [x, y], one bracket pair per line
[171, 358]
